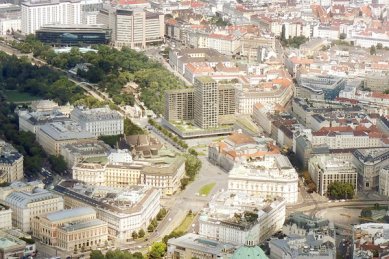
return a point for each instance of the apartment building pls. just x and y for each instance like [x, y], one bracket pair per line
[70, 230]
[344, 138]
[133, 28]
[368, 163]
[99, 121]
[272, 176]
[124, 209]
[278, 91]
[38, 13]
[325, 169]
[376, 81]
[180, 58]
[5, 217]
[384, 181]
[11, 163]
[206, 103]
[180, 104]
[53, 136]
[26, 205]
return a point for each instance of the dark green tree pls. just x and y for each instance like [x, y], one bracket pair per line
[338, 190]
[373, 50]
[141, 233]
[58, 164]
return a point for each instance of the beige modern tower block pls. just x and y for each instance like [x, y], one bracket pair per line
[206, 103]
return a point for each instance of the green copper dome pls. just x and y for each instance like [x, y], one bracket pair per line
[249, 252]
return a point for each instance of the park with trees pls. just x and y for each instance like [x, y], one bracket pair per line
[111, 70]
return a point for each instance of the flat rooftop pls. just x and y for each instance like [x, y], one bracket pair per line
[65, 130]
[118, 200]
[205, 79]
[199, 243]
[71, 213]
[82, 225]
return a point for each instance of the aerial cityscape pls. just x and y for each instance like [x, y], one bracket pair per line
[201, 129]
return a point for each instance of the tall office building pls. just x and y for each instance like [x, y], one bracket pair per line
[206, 103]
[36, 13]
[133, 28]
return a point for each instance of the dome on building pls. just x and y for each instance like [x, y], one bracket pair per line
[248, 252]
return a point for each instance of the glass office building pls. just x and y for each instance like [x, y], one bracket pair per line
[74, 35]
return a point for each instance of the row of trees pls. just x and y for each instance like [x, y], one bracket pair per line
[168, 134]
[153, 224]
[116, 254]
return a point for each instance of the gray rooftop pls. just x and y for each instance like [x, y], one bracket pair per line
[199, 243]
[65, 130]
[22, 199]
[8, 154]
[96, 114]
[81, 225]
[68, 214]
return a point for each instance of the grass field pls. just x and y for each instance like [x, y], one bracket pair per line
[186, 223]
[18, 97]
[206, 189]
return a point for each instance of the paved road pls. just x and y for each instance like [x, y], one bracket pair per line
[180, 204]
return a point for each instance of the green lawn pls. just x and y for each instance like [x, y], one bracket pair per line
[206, 189]
[19, 97]
[186, 223]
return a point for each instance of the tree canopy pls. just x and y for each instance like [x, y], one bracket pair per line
[338, 190]
[20, 75]
[157, 250]
[116, 254]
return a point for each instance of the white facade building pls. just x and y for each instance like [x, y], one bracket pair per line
[247, 98]
[272, 176]
[345, 140]
[369, 162]
[5, 217]
[325, 169]
[9, 24]
[220, 221]
[384, 181]
[38, 13]
[26, 205]
[99, 121]
[124, 209]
